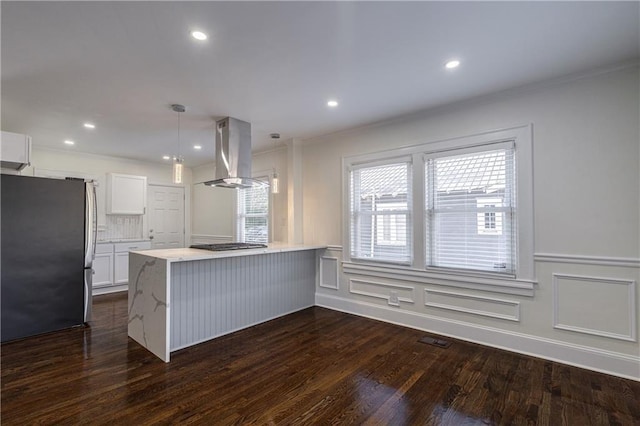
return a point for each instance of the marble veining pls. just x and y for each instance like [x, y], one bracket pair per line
[148, 303]
[159, 302]
[137, 291]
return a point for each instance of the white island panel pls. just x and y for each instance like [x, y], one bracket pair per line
[149, 304]
[210, 298]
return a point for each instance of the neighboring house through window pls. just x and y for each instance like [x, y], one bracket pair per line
[490, 222]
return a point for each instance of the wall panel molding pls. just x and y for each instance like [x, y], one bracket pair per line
[329, 276]
[483, 283]
[334, 248]
[614, 363]
[625, 262]
[447, 300]
[382, 291]
[628, 317]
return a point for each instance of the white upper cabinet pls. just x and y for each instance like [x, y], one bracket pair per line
[126, 194]
[15, 150]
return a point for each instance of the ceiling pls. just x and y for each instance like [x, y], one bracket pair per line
[120, 65]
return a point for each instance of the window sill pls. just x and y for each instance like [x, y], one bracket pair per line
[382, 262]
[493, 284]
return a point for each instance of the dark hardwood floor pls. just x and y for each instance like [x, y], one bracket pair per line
[316, 366]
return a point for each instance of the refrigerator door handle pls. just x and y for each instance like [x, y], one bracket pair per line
[91, 228]
[91, 232]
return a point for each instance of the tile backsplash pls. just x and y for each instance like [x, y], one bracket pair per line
[119, 227]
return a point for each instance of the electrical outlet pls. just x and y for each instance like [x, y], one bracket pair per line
[393, 298]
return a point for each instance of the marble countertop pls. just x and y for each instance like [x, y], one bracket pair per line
[189, 254]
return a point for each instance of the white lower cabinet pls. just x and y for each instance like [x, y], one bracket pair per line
[121, 268]
[121, 259]
[111, 265]
[103, 265]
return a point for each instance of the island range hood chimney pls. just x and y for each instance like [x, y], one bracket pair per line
[233, 155]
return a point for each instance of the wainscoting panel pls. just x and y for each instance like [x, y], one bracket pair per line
[210, 298]
[470, 304]
[621, 262]
[385, 291]
[410, 275]
[598, 306]
[329, 272]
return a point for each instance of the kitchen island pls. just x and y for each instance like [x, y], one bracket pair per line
[182, 297]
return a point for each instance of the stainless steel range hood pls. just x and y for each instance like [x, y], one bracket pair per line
[233, 155]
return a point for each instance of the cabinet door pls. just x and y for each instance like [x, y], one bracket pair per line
[126, 194]
[15, 150]
[122, 268]
[103, 270]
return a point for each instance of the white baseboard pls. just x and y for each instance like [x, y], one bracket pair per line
[616, 364]
[110, 289]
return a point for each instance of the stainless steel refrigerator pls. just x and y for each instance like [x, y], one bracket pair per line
[48, 244]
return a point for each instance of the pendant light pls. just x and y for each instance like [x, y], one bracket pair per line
[274, 184]
[177, 159]
[274, 180]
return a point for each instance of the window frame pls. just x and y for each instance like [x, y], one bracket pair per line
[264, 176]
[524, 276]
[477, 149]
[410, 208]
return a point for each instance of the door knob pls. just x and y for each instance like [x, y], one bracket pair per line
[151, 237]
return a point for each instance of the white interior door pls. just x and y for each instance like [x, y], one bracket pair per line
[166, 216]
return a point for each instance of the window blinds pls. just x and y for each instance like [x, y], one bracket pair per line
[253, 214]
[380, 207]
[470, 210]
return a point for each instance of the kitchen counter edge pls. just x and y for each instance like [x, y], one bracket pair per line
[124, 240]
[189, 254]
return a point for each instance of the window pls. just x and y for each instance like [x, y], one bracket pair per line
[253, 214]
[470, 203]
[489, 222]
[380, 206]
[458, 209]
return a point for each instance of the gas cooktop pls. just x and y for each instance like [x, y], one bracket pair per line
[228, 246]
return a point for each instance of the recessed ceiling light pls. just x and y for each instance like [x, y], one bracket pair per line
[89, 125]
[166, 157]
[197, 147]
[332, 103]
[68, 142]
[198, 35]
[454, 63]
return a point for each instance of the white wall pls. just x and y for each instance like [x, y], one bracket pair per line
[212, 220]
[213, 217]
[98, 166]
[587, 223]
